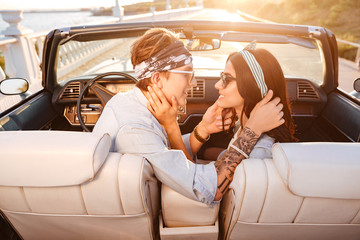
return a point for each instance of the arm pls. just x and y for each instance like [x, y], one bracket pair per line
[210, 123]
[175, 139]
[107, 123]
[166, 114]
[171, 167]
[264, 117]
[227, 163]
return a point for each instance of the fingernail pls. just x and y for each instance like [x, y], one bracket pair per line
[218, 118]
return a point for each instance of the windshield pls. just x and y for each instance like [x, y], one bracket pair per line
[77, 59]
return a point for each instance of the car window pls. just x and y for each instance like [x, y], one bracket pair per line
[84, 58]
[295, 61]
[349, 71]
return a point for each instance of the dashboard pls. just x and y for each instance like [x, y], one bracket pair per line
[307, 99]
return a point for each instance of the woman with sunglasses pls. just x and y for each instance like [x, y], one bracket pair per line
[247, 76]
[250, 76]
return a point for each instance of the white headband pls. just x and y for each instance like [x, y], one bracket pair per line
[256, 71]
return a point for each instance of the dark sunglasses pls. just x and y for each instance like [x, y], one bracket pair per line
[226, 78]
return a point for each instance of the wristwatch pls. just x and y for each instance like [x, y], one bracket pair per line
[200, 138]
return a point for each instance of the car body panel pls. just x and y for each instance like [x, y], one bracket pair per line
[34, 113]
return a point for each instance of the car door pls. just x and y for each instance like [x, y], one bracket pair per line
[36, 111]
[339, 121]
[31, 114]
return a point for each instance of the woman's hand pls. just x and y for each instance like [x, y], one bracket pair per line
[212, 120]
[266, 114]
[159, 106]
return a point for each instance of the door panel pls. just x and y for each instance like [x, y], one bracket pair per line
[34, 114]
[340, 119]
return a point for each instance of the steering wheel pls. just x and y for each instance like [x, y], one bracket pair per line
[100, 91]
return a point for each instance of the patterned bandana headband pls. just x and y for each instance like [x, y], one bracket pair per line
[255, 68]
[173, 56]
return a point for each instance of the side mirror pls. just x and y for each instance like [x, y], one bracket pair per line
[202, 44]
[13, 86]
[357, 85]
[356, 93]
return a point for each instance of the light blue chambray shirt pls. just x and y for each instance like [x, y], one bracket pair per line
[134, 130]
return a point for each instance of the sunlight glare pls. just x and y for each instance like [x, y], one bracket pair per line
[223, 15]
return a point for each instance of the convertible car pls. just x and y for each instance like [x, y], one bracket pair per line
[60, 181]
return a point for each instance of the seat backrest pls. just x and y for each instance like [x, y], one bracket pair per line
[307, 191]
[66, 185]
[180, 211]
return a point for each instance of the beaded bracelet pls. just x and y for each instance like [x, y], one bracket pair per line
[200, 138]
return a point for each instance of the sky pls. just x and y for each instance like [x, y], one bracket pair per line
[62, 4]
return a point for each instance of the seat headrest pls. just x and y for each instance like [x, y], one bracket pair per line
[329, 170]
[50, 158]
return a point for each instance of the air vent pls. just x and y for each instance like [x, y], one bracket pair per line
[305, 90]
[197, 92]
[71, 91]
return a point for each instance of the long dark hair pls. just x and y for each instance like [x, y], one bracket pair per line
[250, 92]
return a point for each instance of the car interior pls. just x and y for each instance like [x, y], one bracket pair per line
[60, 181]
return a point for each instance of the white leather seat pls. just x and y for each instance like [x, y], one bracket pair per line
[180, 211]
[66, 185]
[307, 191]
[184, 218]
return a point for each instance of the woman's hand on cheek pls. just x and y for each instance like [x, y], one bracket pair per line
[159, 106]
[224, 121]
[212, 119]
[266, 115]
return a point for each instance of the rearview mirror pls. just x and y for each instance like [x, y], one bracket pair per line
[13, 86]
[201, 44]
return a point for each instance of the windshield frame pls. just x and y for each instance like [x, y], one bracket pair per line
[188, 27]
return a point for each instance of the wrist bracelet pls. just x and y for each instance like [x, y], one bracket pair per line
[200, 138]
[239, 151]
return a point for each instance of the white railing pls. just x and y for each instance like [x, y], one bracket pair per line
[22, 49]
[38, 41]
[21, 46]
[21, 59]
[75, 54]
[18, 48]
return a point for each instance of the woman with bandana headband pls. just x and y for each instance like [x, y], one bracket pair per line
[164, 66]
